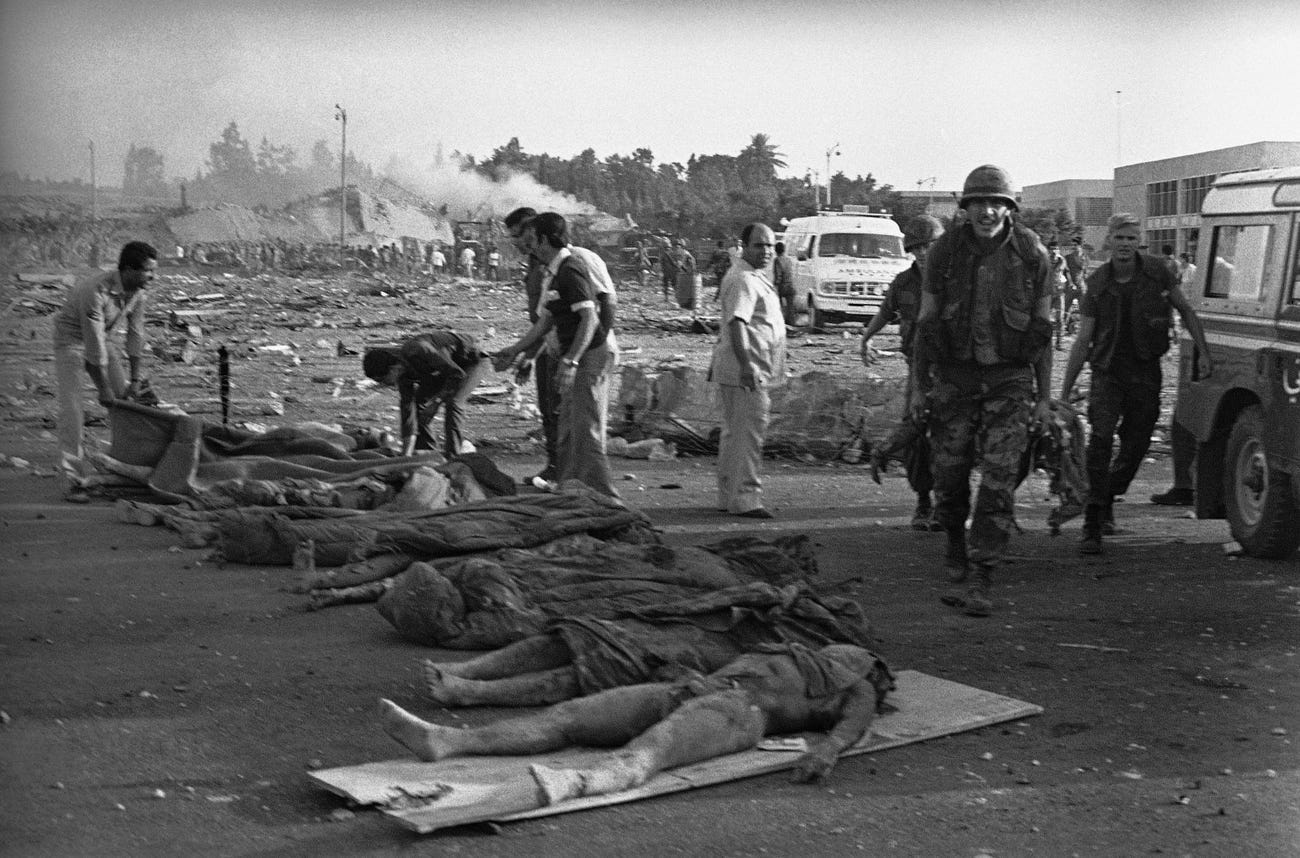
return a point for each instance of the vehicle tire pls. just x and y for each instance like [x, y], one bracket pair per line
[1262, 512]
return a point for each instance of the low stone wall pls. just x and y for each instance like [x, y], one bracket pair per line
[816, 412]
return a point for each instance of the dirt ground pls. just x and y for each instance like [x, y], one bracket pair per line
[155, 704]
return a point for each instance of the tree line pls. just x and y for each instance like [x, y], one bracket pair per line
[236, 172]
[708, 196]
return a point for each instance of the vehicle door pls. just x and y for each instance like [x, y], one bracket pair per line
[805, 265]
[1240, 295]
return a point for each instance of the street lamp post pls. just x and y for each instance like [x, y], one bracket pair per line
[929, 198]
[94, 209]
[342, 115]
[834, 150]
[1119, 129]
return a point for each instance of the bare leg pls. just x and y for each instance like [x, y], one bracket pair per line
[721, 723]
[539, 652]
[530, 689]
[607, 719]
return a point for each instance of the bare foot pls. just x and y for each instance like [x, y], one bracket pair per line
[441, 684]
[417, 736]
[556, 785]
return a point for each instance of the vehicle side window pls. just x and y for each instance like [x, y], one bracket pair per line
[1239, 255]
[812, 245]
[1293, 297]
[800, 246]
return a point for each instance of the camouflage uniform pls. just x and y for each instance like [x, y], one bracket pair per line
[982, 345]
[903, 302]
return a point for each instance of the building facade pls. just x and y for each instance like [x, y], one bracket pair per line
[1166, 194]
[940, 204]
[1089, 202]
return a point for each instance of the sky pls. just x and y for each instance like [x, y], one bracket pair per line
[910, 91]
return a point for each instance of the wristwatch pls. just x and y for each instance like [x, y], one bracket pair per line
[569, 362]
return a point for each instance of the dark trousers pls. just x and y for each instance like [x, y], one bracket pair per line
[1122, 404]
[548, 402]
[453, 413]
[1184, 446]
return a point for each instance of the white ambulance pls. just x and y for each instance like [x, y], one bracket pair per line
[844, 262]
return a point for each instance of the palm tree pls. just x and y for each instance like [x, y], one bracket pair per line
[759, 161]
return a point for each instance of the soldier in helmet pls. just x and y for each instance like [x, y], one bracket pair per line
[983, 357]
[901, 304]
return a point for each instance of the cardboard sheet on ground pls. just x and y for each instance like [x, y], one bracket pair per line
[429, 796]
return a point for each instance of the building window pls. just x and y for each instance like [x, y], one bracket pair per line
[1194, 191]
[1237, 258]
[1191, 242]
[1162, 198]
[1157, 238]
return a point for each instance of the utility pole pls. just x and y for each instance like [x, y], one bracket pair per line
[1119, 130]
[342, 115]
[929, 198]
[94, 209]
[834, 150]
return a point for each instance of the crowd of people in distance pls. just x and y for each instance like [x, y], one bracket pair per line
[980, 311]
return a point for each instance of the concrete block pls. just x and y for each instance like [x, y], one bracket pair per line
[817, 410]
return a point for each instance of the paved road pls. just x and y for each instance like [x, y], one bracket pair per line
[158, 705]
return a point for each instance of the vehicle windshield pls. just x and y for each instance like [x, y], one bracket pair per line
[861, 245]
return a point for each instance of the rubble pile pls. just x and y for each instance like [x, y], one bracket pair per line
[294, 342]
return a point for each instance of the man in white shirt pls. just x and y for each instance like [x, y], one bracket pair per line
[748, 359]
[83, 331]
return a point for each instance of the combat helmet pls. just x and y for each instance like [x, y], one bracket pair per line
[921, 229]
[988, 181]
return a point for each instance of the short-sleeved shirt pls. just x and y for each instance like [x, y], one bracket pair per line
[748, 295]
[569, 292]
[93, 309]
[597, 272]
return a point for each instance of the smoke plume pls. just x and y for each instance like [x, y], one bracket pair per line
[469, 195]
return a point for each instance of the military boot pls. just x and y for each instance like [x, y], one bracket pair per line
[974, 601]
[955, 562]
[978, 602]
[1091, 542]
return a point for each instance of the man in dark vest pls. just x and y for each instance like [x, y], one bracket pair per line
[984, 359]
[902, 303]
[1124, 330]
